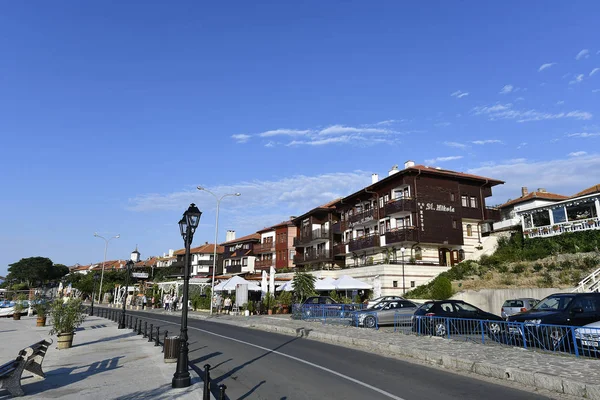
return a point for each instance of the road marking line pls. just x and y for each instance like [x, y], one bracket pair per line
[366, 385]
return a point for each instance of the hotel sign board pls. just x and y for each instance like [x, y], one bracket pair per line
[140, 275]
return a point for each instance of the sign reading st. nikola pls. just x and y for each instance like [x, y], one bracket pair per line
[438, 207]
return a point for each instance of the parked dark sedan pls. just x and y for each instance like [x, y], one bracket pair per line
[548, 323]
[446, 317]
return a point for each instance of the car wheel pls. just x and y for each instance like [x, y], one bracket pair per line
[494, 329]
[440, 329]
[557, 340]
[370, 322]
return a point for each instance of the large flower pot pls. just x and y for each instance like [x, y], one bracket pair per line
[65, 340]
[17, 316]
[270, 312]
[40, 321]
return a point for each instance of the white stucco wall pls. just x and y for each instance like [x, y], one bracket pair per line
[491, 300]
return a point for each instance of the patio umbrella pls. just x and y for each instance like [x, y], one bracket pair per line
[286, 287]
[263, 283]
[346, 283]
[325, 284]
[232, 283]
[272, 280]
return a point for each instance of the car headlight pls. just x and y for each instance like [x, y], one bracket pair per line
[361, 317]
[533, 321]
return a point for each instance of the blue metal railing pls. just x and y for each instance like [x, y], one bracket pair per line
[575, 340]
[333, 313]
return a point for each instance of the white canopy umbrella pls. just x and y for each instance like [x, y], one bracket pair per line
[272, 280]
[325, 284]
[263, 283]
[232, 283]
[287, 287]
[346, 282]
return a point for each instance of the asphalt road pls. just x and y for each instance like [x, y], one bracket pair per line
[255, 364]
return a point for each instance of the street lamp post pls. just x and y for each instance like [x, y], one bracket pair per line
[104, 261]
[128, 267]
[212, 286]
[402, 250]
[95, 278]
[187, 226]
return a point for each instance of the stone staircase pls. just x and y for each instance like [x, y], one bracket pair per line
[488, 246]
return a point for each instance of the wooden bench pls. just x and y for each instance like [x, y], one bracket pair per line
[29, 359]
[10, 373]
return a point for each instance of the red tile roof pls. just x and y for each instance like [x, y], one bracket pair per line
[272, 228]
[448, 172]
[253, 236]
[534, 195]
[207, 248]
[590, 190]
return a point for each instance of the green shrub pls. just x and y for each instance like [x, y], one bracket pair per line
[564, 277]
[552, 266]
[546, 280]
[565, 265]
[507, 280]
[575, 277]
[502, 268]
[519, 268]
[537, 267]
[590, 262]
[441, 288]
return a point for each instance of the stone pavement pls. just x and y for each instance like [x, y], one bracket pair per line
[558, 373]
[104, 363]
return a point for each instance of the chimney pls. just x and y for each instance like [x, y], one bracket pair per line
[292, 217]
[171, 252]
[229, 236]
[541, 190]
[524, 191]
[374, 178]
[205, 243]
[409, 163]
[393, 170]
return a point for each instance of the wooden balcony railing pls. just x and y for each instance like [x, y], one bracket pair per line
[364, 242]
[366, 215]
[259, 264]
[406, 234]
[492, 214]
[316, 256]
[264, 247]
[307, 237]
[398, 205]
[339, 249]
[234, 269]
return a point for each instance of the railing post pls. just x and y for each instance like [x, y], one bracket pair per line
[574, 341]
[482, 331]
[135, 325]
[130, 319]
[522, 330]
[206, 394]
[150, 338]
[157, 341]
[164, 341]
[222, 392]
[145, 329]
[139, 332]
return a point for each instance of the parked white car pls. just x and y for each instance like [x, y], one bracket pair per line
[588, 339]
[371, 303]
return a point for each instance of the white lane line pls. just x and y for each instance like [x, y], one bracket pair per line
[348, 378]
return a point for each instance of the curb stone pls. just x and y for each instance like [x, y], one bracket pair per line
[549, 382]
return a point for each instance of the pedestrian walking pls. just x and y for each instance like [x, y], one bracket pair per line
[144, 302]
[219, 304]
[227, 305]
[167, 302]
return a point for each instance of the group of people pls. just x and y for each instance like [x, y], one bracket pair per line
[170, 302]
[222, 305]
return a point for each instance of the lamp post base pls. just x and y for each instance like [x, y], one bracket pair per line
[121, 322]
[181, 381]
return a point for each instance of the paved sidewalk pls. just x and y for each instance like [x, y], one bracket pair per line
[104, 363]
[558, 373]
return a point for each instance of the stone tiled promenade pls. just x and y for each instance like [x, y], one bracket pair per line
[558, 373]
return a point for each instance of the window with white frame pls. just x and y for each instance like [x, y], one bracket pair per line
[473, 202]
[245, 262]
[464, 201]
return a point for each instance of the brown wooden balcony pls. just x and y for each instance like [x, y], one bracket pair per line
[264, 264]
[364, 242]
[492, 214]
[234, 269]
[264, 247]
[313, 256]
[339, 249]
[308, 237]
[364, 216]
[400, 205]
[407, 234]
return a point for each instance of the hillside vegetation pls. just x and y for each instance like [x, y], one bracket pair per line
[558, 261]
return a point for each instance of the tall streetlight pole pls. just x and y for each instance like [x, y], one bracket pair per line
[402, 250]
[95, 278]
[103, 262]
[212, 286]
[187, 226]
[128, 267]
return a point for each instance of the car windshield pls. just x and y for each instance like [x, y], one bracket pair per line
[426, 307]
[465, 307]
[513, 303]
[554, 303]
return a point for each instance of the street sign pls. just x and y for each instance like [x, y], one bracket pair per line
[142, 275]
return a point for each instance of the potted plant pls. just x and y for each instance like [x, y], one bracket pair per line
[590, 222]
[269, 303]
[66, 317]
[41, 307]
[555, 228]
[19, 306]
[250, 308]
[285, 299]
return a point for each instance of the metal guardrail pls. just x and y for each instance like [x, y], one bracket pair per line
[575, 340]
[326, 313]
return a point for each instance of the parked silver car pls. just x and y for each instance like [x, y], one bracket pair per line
[515, 306]
[383, 313]
[378, 300]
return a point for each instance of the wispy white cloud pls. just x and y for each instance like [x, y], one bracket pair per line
[506, 89]
[583, 134]
[565, 176]
[387, 122]
[459, 94]
[442, 159]
[594, 71]
[342, 130]
[456, 144]
[506, 111]
[585, 53]
[488, 141]
[521, 145]
[520, 99]
[578, 79]
[577, 153]
[560, 102]
[442, 124]
[285, 132]
[546, 66]
[241, 137]
[321, 142]
[270, 144]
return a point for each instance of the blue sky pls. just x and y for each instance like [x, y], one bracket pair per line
[111, 114]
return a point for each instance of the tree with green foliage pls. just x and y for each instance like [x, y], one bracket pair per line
[304, 285]
[35, 271]
[441, 288]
